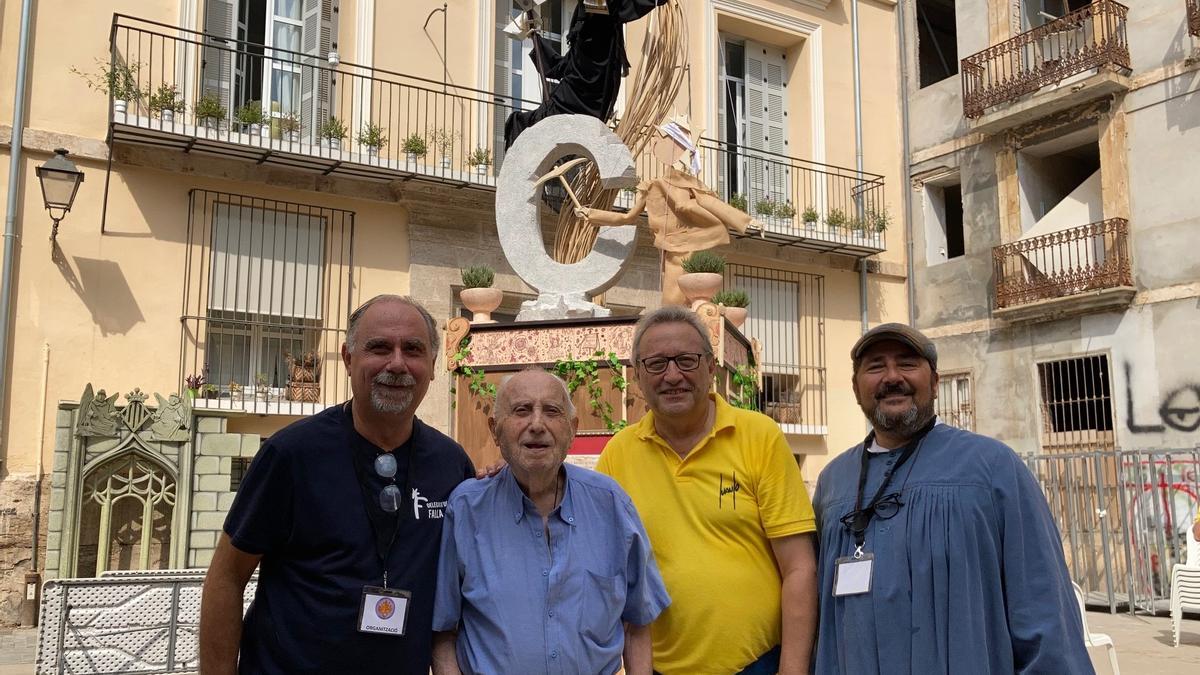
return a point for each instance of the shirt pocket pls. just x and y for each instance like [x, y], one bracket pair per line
[602, 603]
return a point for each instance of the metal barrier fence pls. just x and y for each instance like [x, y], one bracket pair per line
[1123, 516]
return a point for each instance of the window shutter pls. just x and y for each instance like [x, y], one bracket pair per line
[775, 124]
[310, 43]
[326, 44]
[503, 78]
[218, 63]
[756, 114]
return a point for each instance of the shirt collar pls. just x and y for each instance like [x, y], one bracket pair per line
[722, 419]
[518, 504]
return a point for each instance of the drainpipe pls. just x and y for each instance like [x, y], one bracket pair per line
[10, 217]
[858, 152]
[33, 579]
[906, 166]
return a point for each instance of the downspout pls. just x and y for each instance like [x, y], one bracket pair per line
[10, 216]
[858, 152]
[906, 166]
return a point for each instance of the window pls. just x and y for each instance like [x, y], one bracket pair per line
[237, 471]
[944, 239]
[752, 120]
[1037, 12]
[786, 317]
[1076, 404]
[954, 403]
[1060, 183]
[937, 41]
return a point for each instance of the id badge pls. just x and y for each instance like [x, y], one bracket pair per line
[383, 610]
[852, 576]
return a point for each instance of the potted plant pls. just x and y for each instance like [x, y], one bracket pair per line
[289, 126]
[784, 210]
[208, 110]
[371, 136]
[738, 201]
[165, 103]
[210, 391]
[444, 140]
[332, 133]
[810, 217]
[193, 383]
[260, 386]
[481, 158]
[735, 302]
[118, 80]
[879, 220]
[251, 117]
[235, 389]
[702, 277]
[478, 295]
[858, 227]
[764, 207]
[835, 220]
[414, 146]
[304, 375]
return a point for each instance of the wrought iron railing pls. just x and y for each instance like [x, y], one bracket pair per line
[1060, 264]
[1093, 36]
[1193, 16]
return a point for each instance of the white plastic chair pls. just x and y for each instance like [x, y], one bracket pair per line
[1185, 584]
[1095, 639]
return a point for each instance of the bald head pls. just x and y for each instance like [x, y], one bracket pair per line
[535, 375]
[534, 424]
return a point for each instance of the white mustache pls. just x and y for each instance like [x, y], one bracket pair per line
[395, 380]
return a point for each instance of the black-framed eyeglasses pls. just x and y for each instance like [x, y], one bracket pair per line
[686, 361]
[390, 497]
[887, 507]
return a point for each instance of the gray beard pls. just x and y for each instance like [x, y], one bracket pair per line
[389, 406]
[903, 425]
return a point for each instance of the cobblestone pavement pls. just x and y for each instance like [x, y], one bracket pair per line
[17, 645]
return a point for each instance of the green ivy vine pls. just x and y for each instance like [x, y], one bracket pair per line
[743, 389]
[476, 379]
[586, 373]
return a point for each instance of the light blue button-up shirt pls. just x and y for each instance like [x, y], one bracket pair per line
[522, 605]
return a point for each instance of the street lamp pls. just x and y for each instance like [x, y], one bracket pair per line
[60, 180]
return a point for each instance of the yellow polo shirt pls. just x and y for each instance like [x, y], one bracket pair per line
[709, 517]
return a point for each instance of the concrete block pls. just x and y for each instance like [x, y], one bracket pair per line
[207, 465]
[210, 520]
[57, 498]
[62, 419]
[226, 465]
[52, 560]
[204, 501]
[225, 501]
[203, 539]
[55, 521]
[250, 444]
[213, 483]
[201, 558]
[221, 445]
[210, 425]
[58, 480]
[53, 541]
[62, 441]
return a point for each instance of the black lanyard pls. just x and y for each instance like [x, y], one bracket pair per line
[384, 526]
[862, 516]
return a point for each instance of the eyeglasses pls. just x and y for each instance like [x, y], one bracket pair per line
[887, 507]
[686, 362]
[390, 497]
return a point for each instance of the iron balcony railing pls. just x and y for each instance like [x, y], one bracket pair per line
[1060, 264]
[1093, 36]
[1193, 16]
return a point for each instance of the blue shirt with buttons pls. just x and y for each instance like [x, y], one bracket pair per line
[522, 604]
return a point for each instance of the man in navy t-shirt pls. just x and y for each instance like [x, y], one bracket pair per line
[343, 511]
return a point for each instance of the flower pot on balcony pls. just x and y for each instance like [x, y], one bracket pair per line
[334, 144]
[119, 108]
[253, 129]
[699, 287]
[410, 158]
[481, 301]
[736, 315]
[481, 169]
[810, 224]
[445, 163]
[168, 117]
[265, 130]
[292, 136]
[372, 152]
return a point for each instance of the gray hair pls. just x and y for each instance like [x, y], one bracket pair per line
[669, 314]
[356, 316]
[502, 392]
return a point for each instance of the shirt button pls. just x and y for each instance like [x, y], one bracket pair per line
[554, 655]
[570, 519]
[545, 573]
[538, 535]
[551, 614]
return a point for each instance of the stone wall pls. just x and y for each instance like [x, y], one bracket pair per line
[211, 494]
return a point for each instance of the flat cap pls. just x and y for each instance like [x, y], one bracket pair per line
[900, 333]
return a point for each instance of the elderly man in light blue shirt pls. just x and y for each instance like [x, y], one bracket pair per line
[545, 567]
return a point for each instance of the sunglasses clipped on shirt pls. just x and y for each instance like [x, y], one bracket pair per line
[390, 497]
[686, 361]
[887, 507]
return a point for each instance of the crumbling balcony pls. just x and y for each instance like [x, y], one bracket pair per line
[1079, 57]
[1073, 271]
[1193, 17]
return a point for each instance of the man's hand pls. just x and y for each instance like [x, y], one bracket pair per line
[221, 607]
[583, 212]
[491, 469]
[1196, 530]
[445, 658]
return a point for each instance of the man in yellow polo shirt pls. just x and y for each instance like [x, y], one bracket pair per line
[726, 510]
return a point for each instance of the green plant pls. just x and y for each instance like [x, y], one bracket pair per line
[480, 157]
[738, 201]
[333, 129]
[210, 391]
[764, 207]
[732, 298]
[743, 389]
[209, 107]
[879, 220]
[260, 380]
[289, 124]
[586, 373]
[414, 144]
[704, 261]
[476, 379]
[836, 219]
[480, 276]
[784, 210]
[444, 140]
[810, 215]
[856, 224]
[371, 135]
[166, 98]
[118, 80]
[251, 113]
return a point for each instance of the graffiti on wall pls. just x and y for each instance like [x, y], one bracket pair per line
[1178, 410]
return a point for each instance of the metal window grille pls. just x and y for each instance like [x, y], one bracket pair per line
[787, 317]
[237, 471]
[1076, 404]
[955, 405]
[267, 296]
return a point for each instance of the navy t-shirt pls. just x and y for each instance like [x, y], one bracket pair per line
[301, 506]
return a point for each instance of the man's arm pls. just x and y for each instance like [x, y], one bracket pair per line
[221, 607]
[637, 653]
[445, 658]
[798, 568]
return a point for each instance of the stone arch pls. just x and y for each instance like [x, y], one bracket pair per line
[126, 512]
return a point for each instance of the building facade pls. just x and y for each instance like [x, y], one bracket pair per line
[254, 169]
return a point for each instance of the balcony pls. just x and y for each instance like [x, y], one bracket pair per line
[1073, 271]
[1193, 16]
[1051, 62]
[202, 94]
